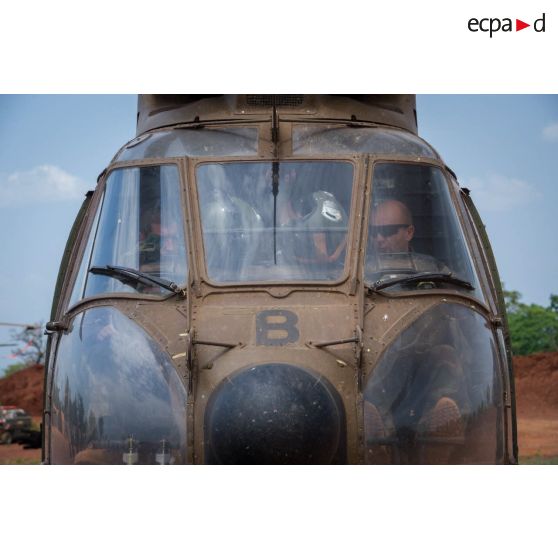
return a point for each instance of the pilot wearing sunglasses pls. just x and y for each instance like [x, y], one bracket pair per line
[392, 227]
[391, 232]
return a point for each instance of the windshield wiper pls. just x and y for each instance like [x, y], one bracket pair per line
[426, 276]
[129, 275]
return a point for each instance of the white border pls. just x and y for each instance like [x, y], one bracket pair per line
[172, 46]
[279, 511]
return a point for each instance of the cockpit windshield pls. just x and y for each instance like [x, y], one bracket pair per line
[139, 228]
[414, 237]
[275, 221]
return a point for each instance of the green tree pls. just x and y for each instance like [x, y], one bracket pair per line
[32, 343]
[9, 370]
[533, 328]
[512, 299]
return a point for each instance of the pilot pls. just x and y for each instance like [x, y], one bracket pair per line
[162, 251]
[391, 233]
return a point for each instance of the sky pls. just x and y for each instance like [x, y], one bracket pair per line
[53, 147]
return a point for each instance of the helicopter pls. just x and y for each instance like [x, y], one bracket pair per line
[278, 279]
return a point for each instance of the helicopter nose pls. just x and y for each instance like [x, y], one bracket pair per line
[274, 414]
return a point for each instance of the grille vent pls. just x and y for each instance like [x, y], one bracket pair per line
[278, 100]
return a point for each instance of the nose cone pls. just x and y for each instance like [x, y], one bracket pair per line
[274, 414]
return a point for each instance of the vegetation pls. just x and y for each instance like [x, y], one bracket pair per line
[21, 461]
[533, 328]
[9, 370]
[31, 348]
[34, 344]
[538, 460]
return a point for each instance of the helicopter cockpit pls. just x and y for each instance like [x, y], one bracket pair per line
[314, 294]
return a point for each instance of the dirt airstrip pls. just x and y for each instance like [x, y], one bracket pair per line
[536, 386]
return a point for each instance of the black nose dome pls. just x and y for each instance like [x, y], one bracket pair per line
[274, 414]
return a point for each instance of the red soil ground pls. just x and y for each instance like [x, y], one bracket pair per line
[536, 386]
[24, 389]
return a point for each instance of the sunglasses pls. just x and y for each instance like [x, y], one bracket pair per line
[386, 230]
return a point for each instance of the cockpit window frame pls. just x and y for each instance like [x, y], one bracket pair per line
[486, 271]
[95, 206]
[353, 238]
[485, 298]
[65, 307]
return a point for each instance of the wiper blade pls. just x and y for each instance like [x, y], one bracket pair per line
[426, 276]
[127, 274]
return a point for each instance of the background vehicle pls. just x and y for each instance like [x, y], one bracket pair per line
[278, 279]
[15, 425]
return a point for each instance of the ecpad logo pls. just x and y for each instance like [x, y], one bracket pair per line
[493, 25]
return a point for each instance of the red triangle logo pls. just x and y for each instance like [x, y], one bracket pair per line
[519, 25]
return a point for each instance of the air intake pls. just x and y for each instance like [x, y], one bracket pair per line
[277, 100]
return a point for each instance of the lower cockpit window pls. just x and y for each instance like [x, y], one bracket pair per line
[116, 396]
[414, 237]
[139, 241]
[436, 395]
[281, 221]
